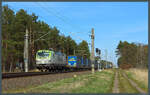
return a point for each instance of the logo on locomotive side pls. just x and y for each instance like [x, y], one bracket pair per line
[72, 59]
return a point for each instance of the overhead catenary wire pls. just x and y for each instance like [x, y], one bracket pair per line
[40, 36]
[61, 17]
[73, 25]
[49, 32]
[62, 20]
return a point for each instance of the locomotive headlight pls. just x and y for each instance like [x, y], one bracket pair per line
[46, 61]
[37, 60]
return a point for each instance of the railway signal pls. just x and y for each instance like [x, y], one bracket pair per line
[98, 51]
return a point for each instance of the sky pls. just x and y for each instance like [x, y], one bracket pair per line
[112, 21]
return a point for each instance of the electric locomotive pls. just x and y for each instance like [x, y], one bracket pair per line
[50, 60]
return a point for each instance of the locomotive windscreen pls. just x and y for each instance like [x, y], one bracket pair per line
[43, 54]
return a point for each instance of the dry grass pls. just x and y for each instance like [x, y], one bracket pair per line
[140, 75]
[62, 86]
[100, 82]
[68, 87]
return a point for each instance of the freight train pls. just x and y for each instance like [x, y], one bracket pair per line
[48, 60]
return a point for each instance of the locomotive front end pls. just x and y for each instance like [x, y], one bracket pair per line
[43, 58]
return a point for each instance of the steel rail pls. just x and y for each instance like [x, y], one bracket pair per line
[27, 74]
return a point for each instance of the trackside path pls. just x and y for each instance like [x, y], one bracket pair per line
[139, 76]
[133, 84]
[127, 85]
[116, 83]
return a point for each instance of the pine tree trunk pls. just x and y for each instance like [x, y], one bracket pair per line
[10, 69]
[11, 64]
[6, 56]
[3, 66]
[33, 53]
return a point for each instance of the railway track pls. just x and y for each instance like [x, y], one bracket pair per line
[26, 74]
[23, 74]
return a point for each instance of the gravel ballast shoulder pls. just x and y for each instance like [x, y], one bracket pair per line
[24, 82]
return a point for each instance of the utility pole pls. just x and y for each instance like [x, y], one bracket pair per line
[137, 55]
[26, 50]
[106, 57]
[141, 53]
[110, 60]
[74, 52]
[92, 50]
[30, 49]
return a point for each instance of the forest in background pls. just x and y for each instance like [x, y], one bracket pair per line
[14, 26]
[132, 55]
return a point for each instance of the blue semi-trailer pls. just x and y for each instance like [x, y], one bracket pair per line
[78, 62]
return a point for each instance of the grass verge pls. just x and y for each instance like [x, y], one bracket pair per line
[100, 82]
[137, 78]
[124, 85]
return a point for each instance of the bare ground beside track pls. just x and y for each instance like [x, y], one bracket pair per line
[24, 82]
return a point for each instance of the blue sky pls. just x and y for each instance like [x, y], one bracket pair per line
[112, 21]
